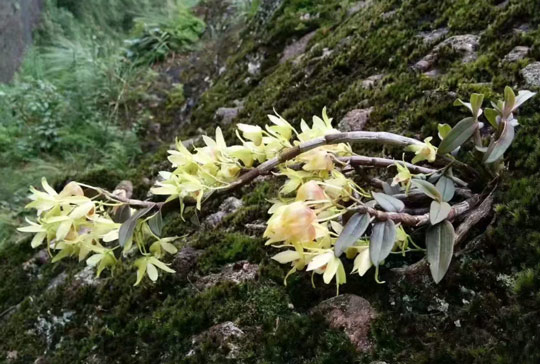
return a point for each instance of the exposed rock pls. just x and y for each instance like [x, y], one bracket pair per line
[516, 54]
[389, 14]
[433, 36]
[57, 281]
[297, 48]
[254, 64]
[356, 7]
[352, 314]
[227, 114]
[229, 206]
[47, 326]
[371, 81]
[466, 44]
[531, 74]
[355, 120]
[86, 277]
[226, 338]
[32, 265]
[237, 273]
[185, 262]
[504, 4]
[522, 28]
[17, 21]
[12, 355]
[434, 73]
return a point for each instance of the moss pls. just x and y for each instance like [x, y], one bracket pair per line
[484, 311]
[221, 248]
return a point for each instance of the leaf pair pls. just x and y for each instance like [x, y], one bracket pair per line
[441, 193]
[128, 227]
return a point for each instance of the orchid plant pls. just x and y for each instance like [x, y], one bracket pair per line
[323, 215]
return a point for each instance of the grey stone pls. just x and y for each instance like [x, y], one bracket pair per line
[227, 207]
[47, 326]
[516, 54]
[356, 7]
[371, 81]
[17, 22]
[239, 272]
[466, 44]
[297, 48]
[57, 281]
[433, 36]
[227, 114]
[522, 28]
[185, 261]
[531, 74]
[355, 120]
[86, 277]
[352, 314]
[434, 73]
[226, 338]
[389, 14]
[40, 258]
[254, 64]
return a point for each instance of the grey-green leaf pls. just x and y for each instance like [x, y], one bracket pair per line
[383, 238]
[497, 148]
[122, 214]
[440, 248]
[446, 187]
[388, 203]
[155, 223]
[438, 211]
[389, 189]
[126, 229]
[353, 230]
[476, 104]
[458, 135]
[427, 188]
[509, 101]
[491, 116]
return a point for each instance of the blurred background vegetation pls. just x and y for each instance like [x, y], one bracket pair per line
[70, 107]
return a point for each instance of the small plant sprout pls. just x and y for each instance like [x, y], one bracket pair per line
[325, 218]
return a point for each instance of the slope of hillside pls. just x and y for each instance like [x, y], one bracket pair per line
[382, 65]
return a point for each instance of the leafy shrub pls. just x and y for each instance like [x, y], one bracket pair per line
[157, 37]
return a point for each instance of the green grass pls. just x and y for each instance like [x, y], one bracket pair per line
[75, 104]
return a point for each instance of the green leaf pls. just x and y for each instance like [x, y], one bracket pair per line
[438, 211]
[446, 187]
[509, 101]
[491, 116]
[460, 102]
[126, 229]
[427, 188]
[383, 238]
[353, 230]
[155, 223]
[388, 203]
[443, 129]
[476, 104]
[440, 248]
[497, 148]
[458, 135]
